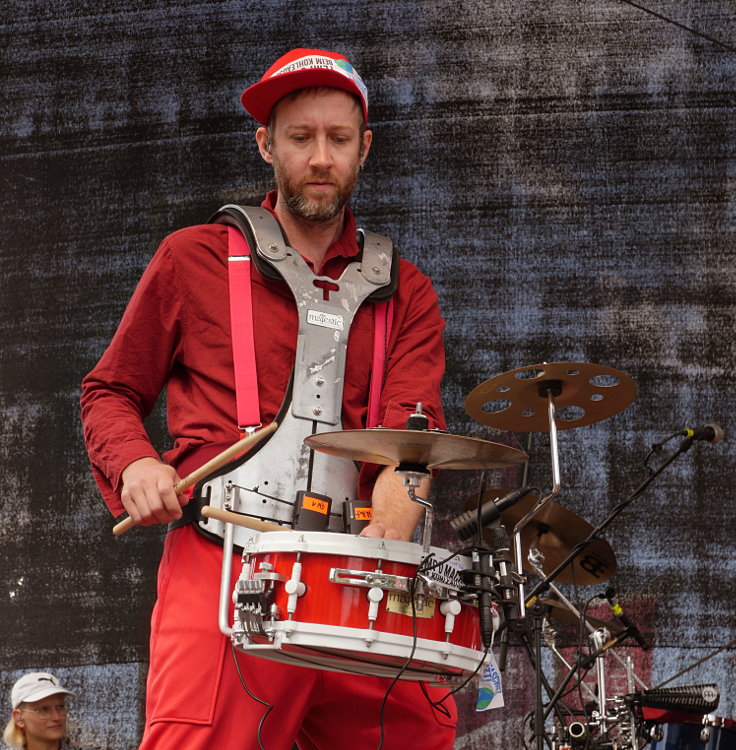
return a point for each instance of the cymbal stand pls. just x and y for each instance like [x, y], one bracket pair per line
[630, 679]
[549, 638]
[602, 721]
[549, 389]
[613, 722]
[598, 639]
[544, 584]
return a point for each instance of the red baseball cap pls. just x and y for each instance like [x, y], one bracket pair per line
[301, 69]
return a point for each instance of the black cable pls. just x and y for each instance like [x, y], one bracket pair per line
[268, 705]
[528, 719]
[436, 704]
[479, 515]
[405, 666]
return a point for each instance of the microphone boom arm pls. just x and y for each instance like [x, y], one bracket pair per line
[598, 530]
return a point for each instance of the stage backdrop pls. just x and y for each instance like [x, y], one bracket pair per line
[563, 171]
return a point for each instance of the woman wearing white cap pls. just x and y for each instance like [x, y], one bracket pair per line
[38, 721]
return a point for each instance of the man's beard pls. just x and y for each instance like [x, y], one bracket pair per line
[322, 208]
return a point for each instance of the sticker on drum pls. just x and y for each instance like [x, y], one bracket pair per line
[685, 732]
[356, 605]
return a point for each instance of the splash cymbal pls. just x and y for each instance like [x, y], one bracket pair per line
[583, 393]
[431, 449]
[554, 531]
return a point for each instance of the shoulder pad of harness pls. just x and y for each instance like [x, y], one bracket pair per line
[376, 251]
[234, 216]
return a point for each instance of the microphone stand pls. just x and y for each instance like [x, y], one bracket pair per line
[512, 622]
[598, 530]
[536, 562]
[543, 585]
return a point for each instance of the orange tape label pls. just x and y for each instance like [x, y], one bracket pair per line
[315, 504]
[363, 514]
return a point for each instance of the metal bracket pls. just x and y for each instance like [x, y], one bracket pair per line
[369, 579]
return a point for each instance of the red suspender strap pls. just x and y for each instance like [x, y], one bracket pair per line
[241, 325]
[383, 317]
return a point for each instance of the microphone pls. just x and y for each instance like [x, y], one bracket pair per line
[623, 619]
[713, 433]
[466, 524]
[485, 603]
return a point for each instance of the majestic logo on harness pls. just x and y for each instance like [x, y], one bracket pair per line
[318, 318]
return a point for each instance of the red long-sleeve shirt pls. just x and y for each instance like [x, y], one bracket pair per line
[175, 334]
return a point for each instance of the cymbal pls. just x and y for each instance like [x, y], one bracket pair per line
[554, 531]
[430, 449]
[560, 612]
[583, 394]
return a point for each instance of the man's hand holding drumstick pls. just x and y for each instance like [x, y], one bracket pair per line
[153, 492]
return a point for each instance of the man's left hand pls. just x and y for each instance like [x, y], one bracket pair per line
[395, 516]
[378, 530]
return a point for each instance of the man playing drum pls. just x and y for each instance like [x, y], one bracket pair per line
[312, 109]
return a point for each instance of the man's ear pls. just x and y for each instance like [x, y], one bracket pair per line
[365, 146]
[263, 139]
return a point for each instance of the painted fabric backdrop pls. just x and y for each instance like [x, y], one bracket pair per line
[563, 171]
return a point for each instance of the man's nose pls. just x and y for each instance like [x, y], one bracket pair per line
[321, 155]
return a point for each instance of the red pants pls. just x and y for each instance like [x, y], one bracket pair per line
[195, 700]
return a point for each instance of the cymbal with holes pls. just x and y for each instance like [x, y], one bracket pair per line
[554, 531]
[583, 394]
[430, 449]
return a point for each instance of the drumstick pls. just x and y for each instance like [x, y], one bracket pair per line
[239, 520]
[214, 463]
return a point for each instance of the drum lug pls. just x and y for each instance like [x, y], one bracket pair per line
[450, 609]
[374, 596]
[295, 588]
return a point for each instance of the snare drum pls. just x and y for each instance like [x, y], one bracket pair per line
[693, 732]
[344, 603]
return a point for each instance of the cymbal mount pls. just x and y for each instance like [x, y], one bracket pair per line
[549, 387]
[413, 473]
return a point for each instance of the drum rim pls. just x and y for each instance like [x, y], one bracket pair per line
[330, 543]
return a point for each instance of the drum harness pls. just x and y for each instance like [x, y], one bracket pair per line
[281, 480]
